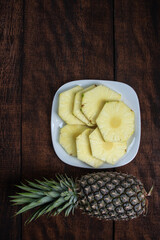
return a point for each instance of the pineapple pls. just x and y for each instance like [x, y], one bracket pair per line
[116, 122]
[84, 150]
[94, 100]
[105, 195]
[109, 152]
[67, 138]
[66, 101]
[77, 106]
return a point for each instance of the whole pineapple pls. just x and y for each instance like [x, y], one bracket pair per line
[105, 195]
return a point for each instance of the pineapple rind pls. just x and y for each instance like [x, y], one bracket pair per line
[121, 111]
[94, 100]
[106, 151]
[112, 196]
[65, 109]
[67, 138]
[77, 106]
[84, 150]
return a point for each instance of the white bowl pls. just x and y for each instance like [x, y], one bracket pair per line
[129, 97]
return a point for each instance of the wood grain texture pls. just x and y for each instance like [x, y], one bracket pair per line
[11, 33]
[137, 34]
[97, 39]
[65, 41]
[60, 46]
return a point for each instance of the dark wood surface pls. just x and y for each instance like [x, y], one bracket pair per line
[11, 44]
[44, 44]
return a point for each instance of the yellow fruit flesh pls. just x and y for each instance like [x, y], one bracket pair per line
[109, 152]
[67, 138]
[65, 110]
[77, 106]
[116, 122]
[84, 149]
[94, 100]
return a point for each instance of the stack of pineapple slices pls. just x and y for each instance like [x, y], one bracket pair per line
[98, 124]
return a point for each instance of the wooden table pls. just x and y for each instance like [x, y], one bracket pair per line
[44, 44]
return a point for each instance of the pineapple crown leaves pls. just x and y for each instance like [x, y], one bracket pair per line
[48, 196]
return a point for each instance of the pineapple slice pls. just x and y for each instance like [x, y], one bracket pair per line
[109, 152]
[94, 100]
[77, 105]
[116, 122]
[84, 150]
[66, 101]
[67, 137]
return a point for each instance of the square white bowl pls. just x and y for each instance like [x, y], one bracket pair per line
[129, 97]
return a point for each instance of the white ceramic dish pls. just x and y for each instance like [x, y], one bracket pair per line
[129, 96]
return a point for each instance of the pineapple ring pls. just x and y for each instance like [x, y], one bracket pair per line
[77, 106]
[84, 150]
[116, 122]
[67, 138]
[94, 100]
[66, 101]
[109, 152]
